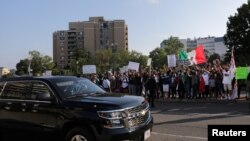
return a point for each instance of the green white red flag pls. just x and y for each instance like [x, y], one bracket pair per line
[196, 56]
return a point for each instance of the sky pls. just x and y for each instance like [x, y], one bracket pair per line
[27, 25]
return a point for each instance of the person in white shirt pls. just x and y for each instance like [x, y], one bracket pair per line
[227, 82]
[124, 80]
[205, 76]
[106, 84]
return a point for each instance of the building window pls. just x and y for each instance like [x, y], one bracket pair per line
[61, 33]
[80, 33]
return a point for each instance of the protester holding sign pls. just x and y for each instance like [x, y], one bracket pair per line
[241, 72]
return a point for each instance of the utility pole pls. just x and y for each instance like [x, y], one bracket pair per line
[29, 69]
[114, 49]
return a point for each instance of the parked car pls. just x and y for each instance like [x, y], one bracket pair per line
[74, 108]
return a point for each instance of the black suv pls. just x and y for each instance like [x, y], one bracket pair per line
[75, 108]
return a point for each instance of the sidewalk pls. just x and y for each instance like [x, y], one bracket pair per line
[209, 100]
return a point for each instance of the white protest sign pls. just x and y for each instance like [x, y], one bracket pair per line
[171, 60]
[133, 66]
[88, 69]
[149, 61]
[124, 69]
[48, 73]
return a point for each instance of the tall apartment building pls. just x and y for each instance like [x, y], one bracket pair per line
[92, 35]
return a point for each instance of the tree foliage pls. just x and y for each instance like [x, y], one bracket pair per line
[238, 35]
[138, 57]
[22, 67]
[173, 45]
[79, 57]
[107, 60]
[103, 60]
[37, 62]
[213, 57]
[159, 55]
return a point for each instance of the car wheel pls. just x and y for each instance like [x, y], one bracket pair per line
[79, 134]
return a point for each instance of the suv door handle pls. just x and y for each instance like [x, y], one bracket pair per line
[36, 105]
[6, 107]
[34, 110]
[23, 104]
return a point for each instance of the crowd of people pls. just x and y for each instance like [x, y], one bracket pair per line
[191, 82]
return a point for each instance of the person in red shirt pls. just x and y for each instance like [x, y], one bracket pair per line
[201, 88]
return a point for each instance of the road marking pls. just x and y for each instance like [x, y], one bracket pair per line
[180, 136]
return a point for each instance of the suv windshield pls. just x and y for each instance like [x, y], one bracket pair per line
[74, 87]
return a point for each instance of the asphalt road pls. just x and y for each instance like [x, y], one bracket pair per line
[189, 120]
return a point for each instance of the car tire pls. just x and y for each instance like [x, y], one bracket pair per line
[79, 134]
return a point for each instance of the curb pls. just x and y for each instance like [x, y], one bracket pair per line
[201, 101]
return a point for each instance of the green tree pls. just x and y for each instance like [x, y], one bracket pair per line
[238, 35]
[190, 49]
[38, 64]
[213, 57]
[159, 55]
[173, 45]
[138, 57]
[22, 67]
[47, 63]
[79, 57]
[103, 60]
[122, 57]
[106, 59]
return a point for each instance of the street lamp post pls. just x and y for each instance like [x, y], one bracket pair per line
[114, 49]
[29, 69]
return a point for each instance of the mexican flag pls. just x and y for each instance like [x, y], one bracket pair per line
[183, 55]
[196, 56]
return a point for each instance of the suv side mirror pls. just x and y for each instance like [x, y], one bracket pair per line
[43, 96]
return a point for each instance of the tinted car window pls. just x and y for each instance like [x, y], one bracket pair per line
[15, 90]
[38, 88]
[77, 87]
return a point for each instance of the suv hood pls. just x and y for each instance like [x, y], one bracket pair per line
[111, 101]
